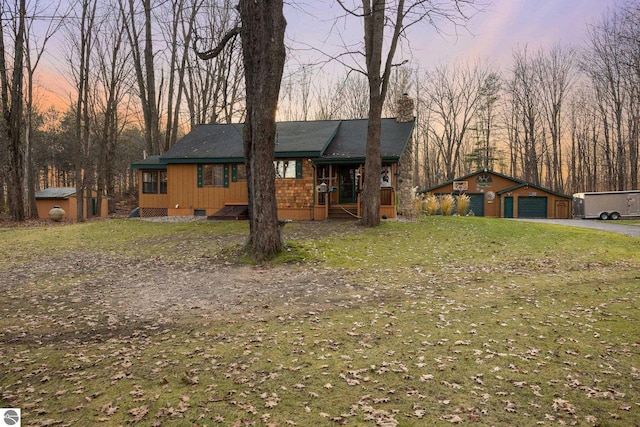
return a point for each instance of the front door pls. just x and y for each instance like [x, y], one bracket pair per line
[508, 207]
[347, 185]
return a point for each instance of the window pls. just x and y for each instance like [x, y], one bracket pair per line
[154, 180]
[149, 182]
[287, 168]
[163, 182]
[238, 172]
[213, 175]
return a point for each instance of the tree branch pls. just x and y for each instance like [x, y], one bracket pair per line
[349, 11]
[210, 54]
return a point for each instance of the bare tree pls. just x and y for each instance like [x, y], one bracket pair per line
[112, 72]
[390, 21]
[526, 138]
[454, 95]
[607, 74]
[355, 102]
[262, 33]
[12, 105]
[178, 35]
[34, 51]
[140, 35]
[584, 157]
[295, 96]
[214, 89]
[630, 40]
[81, 37]
[328, 100]
[556, 72]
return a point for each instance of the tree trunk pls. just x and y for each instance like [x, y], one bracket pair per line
[372, 168]
[13, 120]
[262, 33]
[374, 19]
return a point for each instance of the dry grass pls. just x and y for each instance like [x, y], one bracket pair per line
[463, 202]
[430, 204]
[447, 204]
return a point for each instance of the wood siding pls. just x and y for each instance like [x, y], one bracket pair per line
[553, 202]
[150, 201]
[184, 196]
[69, 206]
[557, 206]
[295, 196]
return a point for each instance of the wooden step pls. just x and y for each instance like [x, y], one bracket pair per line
[343, 212]
[231, 212]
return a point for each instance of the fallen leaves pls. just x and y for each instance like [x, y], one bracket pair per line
[138, 413]
[490, 343]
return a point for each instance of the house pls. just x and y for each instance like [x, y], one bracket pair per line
[495, 195]
[65, 197]
[319, 168]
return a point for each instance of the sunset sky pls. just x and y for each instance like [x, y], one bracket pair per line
[491, 35]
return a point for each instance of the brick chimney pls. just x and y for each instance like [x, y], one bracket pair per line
[405, 109]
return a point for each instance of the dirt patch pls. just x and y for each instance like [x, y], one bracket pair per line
[87, 296]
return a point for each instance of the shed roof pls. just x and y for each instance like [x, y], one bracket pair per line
[55, 193]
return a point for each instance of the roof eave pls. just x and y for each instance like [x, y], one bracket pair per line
[201, 160]
[296, 154]
[148, 166]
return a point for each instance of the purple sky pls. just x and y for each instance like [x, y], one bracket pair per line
[490, 35]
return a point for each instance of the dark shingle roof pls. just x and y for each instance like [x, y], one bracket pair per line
[350, 142]
[322, 140]
[223, 143]
[151, 162]
[208, 142]
[304, 139]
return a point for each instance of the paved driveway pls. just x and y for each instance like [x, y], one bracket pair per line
[610, 226]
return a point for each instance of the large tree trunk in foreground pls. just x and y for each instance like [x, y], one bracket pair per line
[262, 33]
[374, 20]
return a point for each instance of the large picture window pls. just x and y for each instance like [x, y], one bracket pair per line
[154, 182]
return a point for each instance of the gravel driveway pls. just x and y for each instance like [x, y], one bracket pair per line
[610, 226]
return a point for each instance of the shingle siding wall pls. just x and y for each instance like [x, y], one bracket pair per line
[296, 193]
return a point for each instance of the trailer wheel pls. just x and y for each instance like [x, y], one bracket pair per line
[604, 215]
[614, 216]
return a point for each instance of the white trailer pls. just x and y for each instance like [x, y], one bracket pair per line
[607, 204]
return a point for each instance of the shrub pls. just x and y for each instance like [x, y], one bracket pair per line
[430, 204]
[463, 202]
[447, 203]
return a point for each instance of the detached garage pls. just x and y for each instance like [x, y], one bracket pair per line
[495, 195]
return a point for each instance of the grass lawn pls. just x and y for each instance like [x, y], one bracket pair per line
[448, 320]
